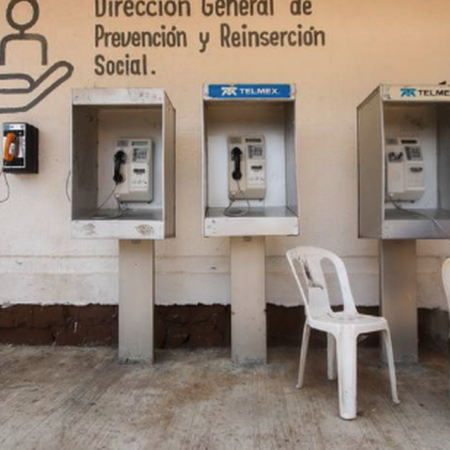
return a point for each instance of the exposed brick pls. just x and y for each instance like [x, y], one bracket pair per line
[176, 314]
[175, 326]
[18, 317]
[115, 331]
[203, 313]
[74, 334]
[284, 325]
[8, 317]
[211, 339]
[92, 314]
[46, 316]
[160, 331]
[26, 336]
[203, 328]
[176, 336]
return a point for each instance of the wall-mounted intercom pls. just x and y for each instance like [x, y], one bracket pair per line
[20, 148]
[405, 180]
[247, 167]
[133, 170]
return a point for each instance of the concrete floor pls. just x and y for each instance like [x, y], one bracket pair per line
[74, 398]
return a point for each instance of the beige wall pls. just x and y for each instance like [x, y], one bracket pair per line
[367, 43]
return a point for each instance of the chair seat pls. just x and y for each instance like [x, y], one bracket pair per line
[363, 322]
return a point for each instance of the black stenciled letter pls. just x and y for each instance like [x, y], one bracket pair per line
[204, 38]
[100, 8]
[301, 7]
[99, 68]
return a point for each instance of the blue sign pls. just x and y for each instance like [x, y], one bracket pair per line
[408, 92]
[249, 91]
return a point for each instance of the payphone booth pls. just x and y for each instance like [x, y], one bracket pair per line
[249, 192]
[123, 187]
[404, 192]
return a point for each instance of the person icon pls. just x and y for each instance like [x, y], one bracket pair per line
[22, 29]
[28, 91]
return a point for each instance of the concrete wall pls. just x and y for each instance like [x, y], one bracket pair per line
[367, 43]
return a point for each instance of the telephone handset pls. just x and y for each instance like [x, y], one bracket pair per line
[11, 147]
[119, 159]
[236, 156]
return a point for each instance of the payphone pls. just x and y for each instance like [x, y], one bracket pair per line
[404, 195]
[247, 167]
[20, 148]
[405, 180]
[133, 170]
[123, 147]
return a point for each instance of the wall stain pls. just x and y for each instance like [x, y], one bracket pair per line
[145, 230]
[88, 229]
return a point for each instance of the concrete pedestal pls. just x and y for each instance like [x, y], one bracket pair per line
[398, 291]
[248, 300]
[136, 300]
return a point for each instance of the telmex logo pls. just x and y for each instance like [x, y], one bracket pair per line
[229, 91]
[232, 91]
[412, 92]
[408, 92]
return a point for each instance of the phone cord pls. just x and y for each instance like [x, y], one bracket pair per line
[237, 212]
[425, 216]
[8, 188]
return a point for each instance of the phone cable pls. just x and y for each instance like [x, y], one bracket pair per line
[69, 175]
[8, 188]
[118, 214]
[237, 212]
[423, 215]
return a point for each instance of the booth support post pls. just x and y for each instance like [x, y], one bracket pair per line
[248, 300]
[136, 300]
[398, 296]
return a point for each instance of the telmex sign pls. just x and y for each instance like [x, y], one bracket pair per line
[255, 91]
[416, 93]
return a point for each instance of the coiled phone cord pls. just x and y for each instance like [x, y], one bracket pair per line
[8, 188]
[237, 212]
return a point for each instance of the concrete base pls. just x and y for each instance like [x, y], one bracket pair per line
[248, 300]
[136, 300]
[398, 291]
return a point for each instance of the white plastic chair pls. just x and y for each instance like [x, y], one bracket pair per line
[446, 282]
[342, 328]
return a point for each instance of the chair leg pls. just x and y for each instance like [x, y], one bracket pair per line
[347, 374]
[390, 359]
[303, 353]
[331, 356]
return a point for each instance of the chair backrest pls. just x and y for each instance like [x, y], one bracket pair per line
[316, 299]
[446, 280]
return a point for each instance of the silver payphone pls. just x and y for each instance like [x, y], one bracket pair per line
[247, 167]
[405, 180]
[133, 170]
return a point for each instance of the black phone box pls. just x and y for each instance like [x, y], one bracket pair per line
[27, 159]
